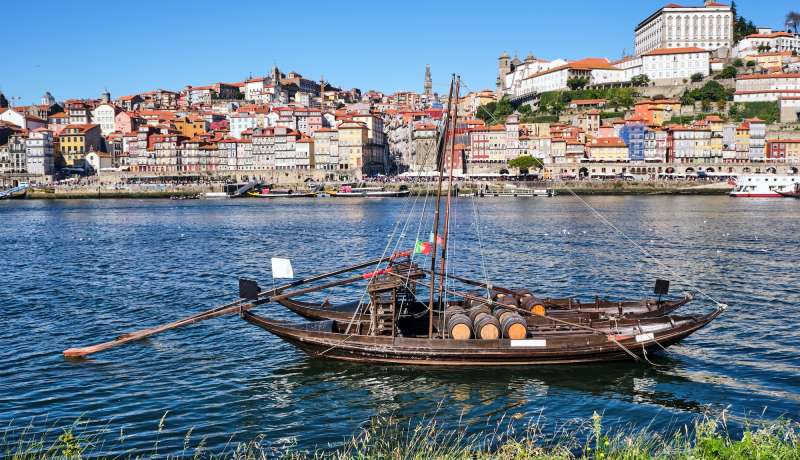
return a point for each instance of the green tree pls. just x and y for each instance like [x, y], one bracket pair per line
[486, 111]
[697, 78]
[738, 62]
[503, 108]
[524, 163]
[751, 63]
[640, 80]
[524, 109]
[764, 48]
[575, 83]
[728, 72]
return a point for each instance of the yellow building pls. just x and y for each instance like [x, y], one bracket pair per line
[607, 149]
[353, 136]
[190, 126]
[76, 141]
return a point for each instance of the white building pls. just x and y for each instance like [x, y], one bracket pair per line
[22, 120]
[105, 116]
[240, 122]
[597, 70]
[39, 152]
[673, 65]
[766, 87]
[769, 40]
[709, 27]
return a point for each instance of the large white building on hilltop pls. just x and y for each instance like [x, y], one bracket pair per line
[674, 26]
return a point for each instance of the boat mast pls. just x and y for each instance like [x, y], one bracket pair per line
[440, 167]
[449, 192]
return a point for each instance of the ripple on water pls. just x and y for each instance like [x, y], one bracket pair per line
[84, 271]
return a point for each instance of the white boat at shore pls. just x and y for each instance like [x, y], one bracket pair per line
[764, 185]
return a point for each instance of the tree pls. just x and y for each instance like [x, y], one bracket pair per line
[728, 72]
[575, 83]
[524, 163]
[503, 108]
[764, 48]
[524, 109]
[640, 80]
[738, 62]
[486, 111]
[697, 78]
[741, 26]
[751, 63]
[793, 21]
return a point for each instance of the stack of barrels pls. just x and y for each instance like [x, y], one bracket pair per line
[480, 321]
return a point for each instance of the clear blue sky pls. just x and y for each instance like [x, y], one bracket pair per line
[78, 48]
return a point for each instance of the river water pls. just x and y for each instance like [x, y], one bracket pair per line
[80, 272]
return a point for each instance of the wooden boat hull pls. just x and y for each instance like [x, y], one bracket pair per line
[319, 340]
[559, 308]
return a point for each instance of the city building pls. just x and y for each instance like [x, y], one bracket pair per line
[77, 140]
[105, 115]
[675, 65]
[783, 150]
[39, 152]
[766, 87]
[767, 40]
[709, 27]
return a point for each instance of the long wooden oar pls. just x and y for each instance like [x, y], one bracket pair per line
[230, 308]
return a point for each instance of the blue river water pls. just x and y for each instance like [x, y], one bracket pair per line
[80, 272]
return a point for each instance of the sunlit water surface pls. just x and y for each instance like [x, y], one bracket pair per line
[79, 272]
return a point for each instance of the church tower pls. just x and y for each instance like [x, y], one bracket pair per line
[428, 81]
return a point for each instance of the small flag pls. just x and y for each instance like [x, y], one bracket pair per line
[282, 268]
[422, 247]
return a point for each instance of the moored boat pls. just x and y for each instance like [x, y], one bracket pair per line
[348, 191]
[764, 185]
[16, 193]
[335, 340]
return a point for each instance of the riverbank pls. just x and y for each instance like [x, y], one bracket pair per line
[505, 188]
[390, 438]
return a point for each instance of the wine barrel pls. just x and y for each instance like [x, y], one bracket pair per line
[475, 311]
[501, 313]
[534, 306]
[459, 326]
[486, 327]
[514, 327]
[509, 300]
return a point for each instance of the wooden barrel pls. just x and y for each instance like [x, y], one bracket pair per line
[501, 313]
[459, 326]
[534, 306]
[509, 300]
[514, 327]
[486, 327]
[475, 311]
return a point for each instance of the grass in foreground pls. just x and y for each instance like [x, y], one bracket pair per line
[706, 438]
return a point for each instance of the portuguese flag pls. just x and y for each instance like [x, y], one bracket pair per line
[422, 247]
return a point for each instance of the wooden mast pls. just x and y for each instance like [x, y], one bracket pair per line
[439, 166]
[449, 194]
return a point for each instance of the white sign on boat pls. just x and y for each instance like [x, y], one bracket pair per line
[644, 337]
[529, 343]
